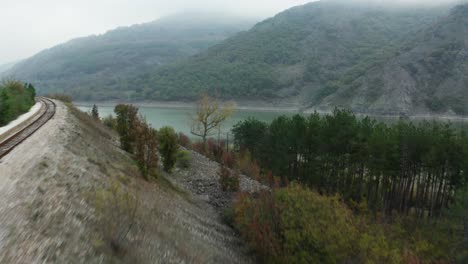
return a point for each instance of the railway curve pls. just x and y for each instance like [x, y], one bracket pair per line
[12, 142]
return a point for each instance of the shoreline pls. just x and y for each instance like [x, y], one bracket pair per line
[186, 105]
[269, 107]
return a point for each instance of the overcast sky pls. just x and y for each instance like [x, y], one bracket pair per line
[28, 26]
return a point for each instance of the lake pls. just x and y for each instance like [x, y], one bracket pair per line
[178, 117]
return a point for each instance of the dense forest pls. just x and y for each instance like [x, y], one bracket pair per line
[403, 168]
[368, 58]
[326, 54]
[16, 98]
[372, 192]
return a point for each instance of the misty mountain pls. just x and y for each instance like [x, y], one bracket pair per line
[302, 55]
[92, 66]
[370, 58]
[5, 67]
[429, 76]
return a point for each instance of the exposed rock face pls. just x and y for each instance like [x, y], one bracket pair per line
[427, 76]
[202, 180]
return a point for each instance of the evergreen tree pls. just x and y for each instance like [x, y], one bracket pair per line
[95, 112]
[402, 167]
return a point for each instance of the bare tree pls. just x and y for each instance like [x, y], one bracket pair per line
[209, 115]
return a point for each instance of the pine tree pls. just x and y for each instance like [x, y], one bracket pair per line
[95, 112]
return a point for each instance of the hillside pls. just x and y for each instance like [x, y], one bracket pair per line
[370, 58]
[54, 209]
[107, 61]
[6, 66]
[298, 55]
[428, 76]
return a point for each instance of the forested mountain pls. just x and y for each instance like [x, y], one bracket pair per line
[302, 53]
[430, 75]
[370, 58]
[96, 66]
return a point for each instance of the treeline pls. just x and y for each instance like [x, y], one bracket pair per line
[16, 98]
[405, 167]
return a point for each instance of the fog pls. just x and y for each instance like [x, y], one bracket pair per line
[28, 26]
[403, 3]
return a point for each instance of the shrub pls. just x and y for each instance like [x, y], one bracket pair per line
[146, 148]
[229, 160]
[184, 141]
[228, 179]
[116, 210]
[168, 147]
[248, 166]
[214, 150]
[110, 122]
[183, 159]
[297, 225]
[61, 97]
[199, 147]
[127, 121]
[228, 216]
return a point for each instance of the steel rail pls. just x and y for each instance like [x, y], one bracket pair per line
[13, 141]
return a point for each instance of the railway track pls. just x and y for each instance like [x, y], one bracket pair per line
[12, 142]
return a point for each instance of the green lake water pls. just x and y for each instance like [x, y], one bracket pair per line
[178, 117]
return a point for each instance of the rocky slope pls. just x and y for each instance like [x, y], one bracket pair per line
[49, 191]
[429, 76]
[303, 54]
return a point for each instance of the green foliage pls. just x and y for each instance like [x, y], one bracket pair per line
[391, 168]
[168, 146]
[183, 159]
[127, 118]
[116, 211]
[95, 112]
[16, 98]
[108, 66]
[403, 174]
[136, 137]
[146, 148]
[323, 44]
[307, 46]
[247, 134]
[296, 225]
[110, 122]
[228, 179]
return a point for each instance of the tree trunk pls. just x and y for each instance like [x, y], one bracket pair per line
[465, 230]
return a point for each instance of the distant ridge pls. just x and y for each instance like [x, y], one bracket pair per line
[98, 67]
[326, 54]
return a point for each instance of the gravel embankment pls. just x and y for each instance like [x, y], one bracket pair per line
[48, 186]
[202, 181]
